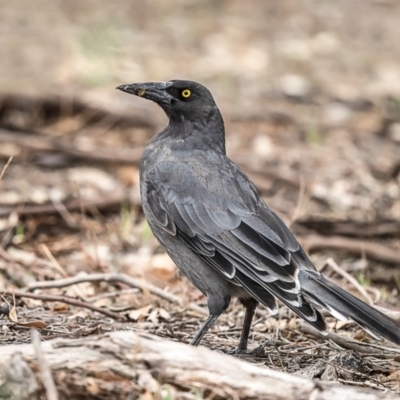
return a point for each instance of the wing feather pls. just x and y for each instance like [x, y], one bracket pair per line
[222, 219]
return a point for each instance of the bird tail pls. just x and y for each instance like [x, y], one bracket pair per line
[344, 306]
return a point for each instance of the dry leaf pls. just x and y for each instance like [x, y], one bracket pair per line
[340, 324]
[162, 267]
[57, 306]
[80, 314]
[331, 325]
[164, 314]
[92, 386]
[140, 313]
[395, 376]
[260, 327]
[104, 302]
[283, 323]
[33, 324]
[13, 314]
[147, 395]
[292, 324]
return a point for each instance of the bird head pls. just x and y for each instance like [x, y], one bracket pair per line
[181, 100]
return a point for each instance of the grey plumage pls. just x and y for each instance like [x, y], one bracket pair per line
[220, 233]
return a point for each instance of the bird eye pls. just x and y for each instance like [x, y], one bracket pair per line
[186, 93]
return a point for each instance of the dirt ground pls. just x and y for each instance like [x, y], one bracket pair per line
[310, 92]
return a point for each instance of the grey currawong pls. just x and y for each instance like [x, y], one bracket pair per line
[217, 229]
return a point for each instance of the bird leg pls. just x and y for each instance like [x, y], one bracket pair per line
[250, 306]
[204, 329]
[217, 304]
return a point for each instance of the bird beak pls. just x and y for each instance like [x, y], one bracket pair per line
[155, 91]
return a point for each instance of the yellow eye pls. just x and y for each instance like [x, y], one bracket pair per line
[186, 93]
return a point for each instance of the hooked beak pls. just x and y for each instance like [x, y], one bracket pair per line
[155, 91]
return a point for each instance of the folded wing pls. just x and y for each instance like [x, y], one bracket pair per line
[221, 218]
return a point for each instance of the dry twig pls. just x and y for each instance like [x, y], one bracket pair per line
[377, 351]
[115, 278]
[108, 295]
[45, 371]
[331, 262]
[64, 299]
[56, 265]
[3, 171]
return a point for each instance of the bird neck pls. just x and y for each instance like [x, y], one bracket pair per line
[199, 132]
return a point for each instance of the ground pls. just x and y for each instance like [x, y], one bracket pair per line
[310, 92]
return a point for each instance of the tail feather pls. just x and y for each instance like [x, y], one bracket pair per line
[261, 295]
[264, 293]
[343, 305]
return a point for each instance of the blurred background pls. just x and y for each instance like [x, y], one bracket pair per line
[310, 92]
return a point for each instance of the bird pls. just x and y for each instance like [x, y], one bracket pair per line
[217, 229]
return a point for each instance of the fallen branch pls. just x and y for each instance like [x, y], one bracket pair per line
[123, 363]
[357, 247]
[63, 299]
[115, 278]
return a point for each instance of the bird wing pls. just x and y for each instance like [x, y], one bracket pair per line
[218, 213]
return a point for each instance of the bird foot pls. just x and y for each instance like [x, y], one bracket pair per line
[260, 350]
[240, 351]
[223, 350]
